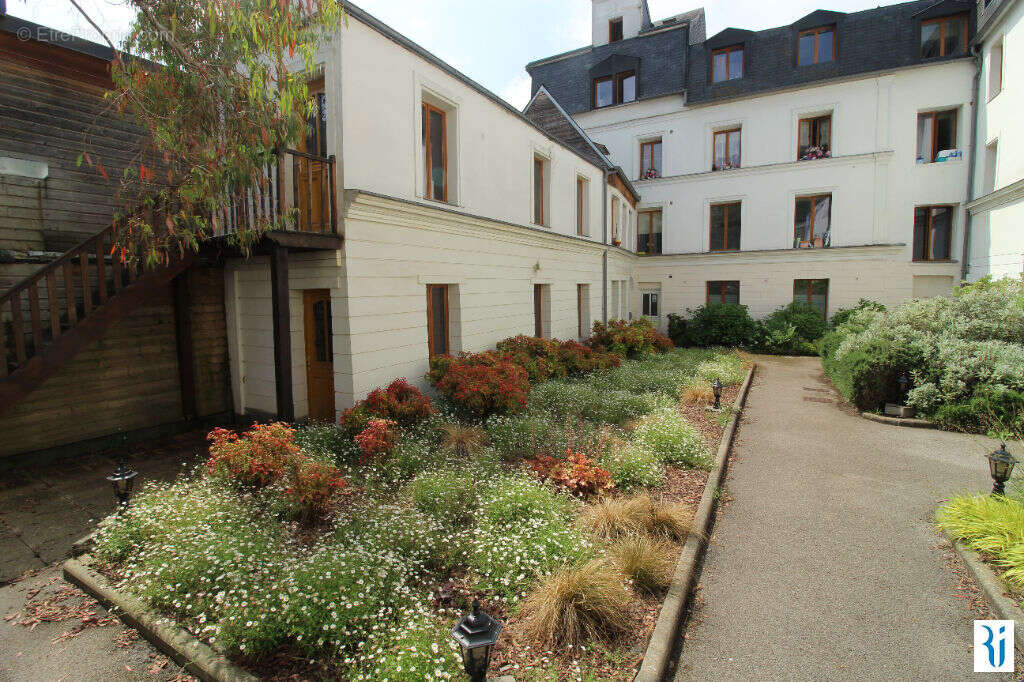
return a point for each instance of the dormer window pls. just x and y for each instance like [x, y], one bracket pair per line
[727, 63]
[615, 30]
[617, 89]
[944, 37]
[817, 46]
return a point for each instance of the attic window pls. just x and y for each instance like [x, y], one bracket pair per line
[817, 46]
[727, 63]
[617, 89]
[615, 30]
[944, 37]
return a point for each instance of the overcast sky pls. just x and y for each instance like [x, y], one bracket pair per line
[488, 40]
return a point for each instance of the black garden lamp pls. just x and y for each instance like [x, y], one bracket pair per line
[716, 386]
[123, 480]
[1000, 465]
[903, 382]
[477, 634]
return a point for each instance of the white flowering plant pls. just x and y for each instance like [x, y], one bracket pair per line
[668, 435]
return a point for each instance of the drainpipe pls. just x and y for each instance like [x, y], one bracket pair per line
[604, 241]
[968, 219]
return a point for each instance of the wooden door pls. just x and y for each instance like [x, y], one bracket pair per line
[319, 354]
[310, 176]
[538, 310]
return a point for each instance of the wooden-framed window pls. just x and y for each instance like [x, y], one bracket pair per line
[615, 30]
[615, 219]
[812, 222]
[725, 149]
[617, 89]
[814, 140]
[438, 335]
[538, 309]
[727, 63]
[648, 232]
[540, 187]
[933, 232]
[435, 152]
[944, 37]
[816, 46]
[582, 196]
[582, 308]
[725, 227]
[936, 133]
[650, 159]
[651, 303]
[723, 292]
[813, 292]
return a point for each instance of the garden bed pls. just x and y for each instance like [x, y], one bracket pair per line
[320, 553]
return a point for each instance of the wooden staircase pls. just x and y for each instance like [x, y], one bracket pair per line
[57, 312]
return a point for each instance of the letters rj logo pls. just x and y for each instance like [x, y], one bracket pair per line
[993, 646]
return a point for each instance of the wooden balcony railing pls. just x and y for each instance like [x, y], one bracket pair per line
[309, 188]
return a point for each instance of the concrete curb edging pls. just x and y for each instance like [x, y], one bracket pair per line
[899, 421]
[663, 639]
[196, 658]
[992, 587]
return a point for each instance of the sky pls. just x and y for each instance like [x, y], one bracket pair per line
[490, 41]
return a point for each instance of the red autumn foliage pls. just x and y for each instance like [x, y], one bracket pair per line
[628, 339]
[482, 384]
[254, 459]
[577, 474]
[377, 439]
[313, 488]
[400, 402]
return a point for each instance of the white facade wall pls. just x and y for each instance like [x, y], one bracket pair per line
[997, 234]
[603, 11]
[481, 243]
[873, 177]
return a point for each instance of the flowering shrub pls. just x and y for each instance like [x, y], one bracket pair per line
[446, 496]
[482, 384]
[727, 368]
[628, 339]
[576, 474]
[400, 401]
[254, 459]
[668, 435]
[417, 649]
[632, 466]
[377, 439]
[312, 488]
[964, 354]
[565, 398]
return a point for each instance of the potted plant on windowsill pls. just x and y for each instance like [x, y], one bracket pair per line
[616, 241]
[650, 174]
[811, 153]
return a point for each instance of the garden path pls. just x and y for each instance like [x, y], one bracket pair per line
[824, 563]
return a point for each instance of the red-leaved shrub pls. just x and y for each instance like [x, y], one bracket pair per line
[377, 439]
[628, 339]
[400, 402]
[312, 489]
[482, 384]
[254, 459]
[577, 474]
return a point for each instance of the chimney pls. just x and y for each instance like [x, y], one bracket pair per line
[618, 19]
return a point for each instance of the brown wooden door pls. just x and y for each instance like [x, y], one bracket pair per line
[319, 354]
[310, 177]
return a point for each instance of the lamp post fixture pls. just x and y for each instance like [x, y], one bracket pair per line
[123, 481]
[903, 381]
[716, 386]
[477, 634]
[1000, 465]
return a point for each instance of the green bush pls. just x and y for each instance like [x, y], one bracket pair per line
[674, 440]
[727, 368]
[964, 354]
[633, 467]
[715, 324]
[445, 495]
[792, 330]
[992, 525]
[843, 315]
[564, 398]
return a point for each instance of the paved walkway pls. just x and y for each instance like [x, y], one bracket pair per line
[50, 630]
[825, 564]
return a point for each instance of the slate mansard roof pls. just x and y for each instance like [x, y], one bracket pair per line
[670, 63]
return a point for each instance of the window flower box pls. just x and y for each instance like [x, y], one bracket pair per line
[812, 153]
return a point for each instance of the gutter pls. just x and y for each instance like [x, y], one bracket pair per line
[971, 163]
[604, 241]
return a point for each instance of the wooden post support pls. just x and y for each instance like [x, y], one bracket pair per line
[282, 332]
[186, 350]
